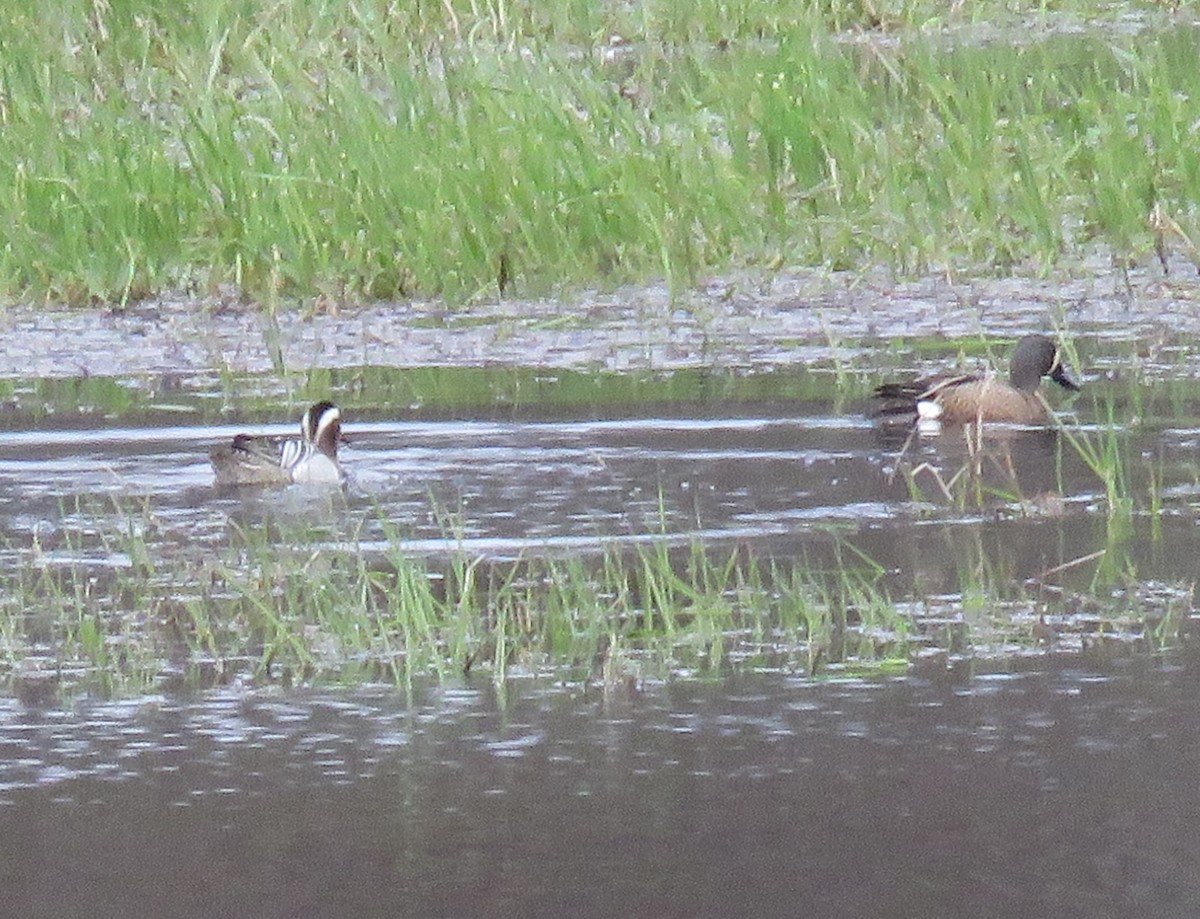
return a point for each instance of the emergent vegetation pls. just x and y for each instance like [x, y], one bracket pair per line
[384, 149]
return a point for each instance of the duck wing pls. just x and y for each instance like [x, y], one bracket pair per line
[901, 398]
[256, 460]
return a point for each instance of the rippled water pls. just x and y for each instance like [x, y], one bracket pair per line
[1058, 790]
[1047, 777]
[1056, 785]
[787, 483]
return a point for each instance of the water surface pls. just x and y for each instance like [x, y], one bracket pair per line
[1034, 757]
[1058, 788]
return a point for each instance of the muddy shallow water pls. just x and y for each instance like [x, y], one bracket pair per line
[1045, 774]
[730, 322]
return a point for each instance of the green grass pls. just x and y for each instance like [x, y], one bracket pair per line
[293, 611]
[113, 609]
[367, 150]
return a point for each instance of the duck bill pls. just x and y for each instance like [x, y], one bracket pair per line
[1065, 377]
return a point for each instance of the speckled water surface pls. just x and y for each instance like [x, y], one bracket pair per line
[744, 322]
[1046, 779]
[1057, 789]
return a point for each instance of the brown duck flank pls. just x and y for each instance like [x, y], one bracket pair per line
[985, 397]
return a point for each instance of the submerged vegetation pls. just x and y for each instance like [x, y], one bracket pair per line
[337, 151]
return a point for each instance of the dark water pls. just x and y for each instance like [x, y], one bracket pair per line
[1053, 779]
[792, 485]
[1063, 788]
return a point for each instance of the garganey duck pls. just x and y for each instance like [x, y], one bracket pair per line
[251, 460]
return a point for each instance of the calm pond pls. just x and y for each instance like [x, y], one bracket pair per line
[1060, 789]
[1016, 734]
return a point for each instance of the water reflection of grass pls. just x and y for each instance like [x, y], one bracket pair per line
[987, 479]
[334, 151]
[292, 608]
[126, 613]
[416, 392]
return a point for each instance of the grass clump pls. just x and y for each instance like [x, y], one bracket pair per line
[295, 609]
[378, 151]
[112, 608]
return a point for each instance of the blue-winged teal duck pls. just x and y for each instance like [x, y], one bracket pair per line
[980, 397]
[250, 460]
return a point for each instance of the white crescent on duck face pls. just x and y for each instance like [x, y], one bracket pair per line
[322, 427]
[250, 460]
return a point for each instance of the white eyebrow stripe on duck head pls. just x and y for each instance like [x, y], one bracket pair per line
[328, 417]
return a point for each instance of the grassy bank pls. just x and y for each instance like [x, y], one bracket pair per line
[387, 150]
